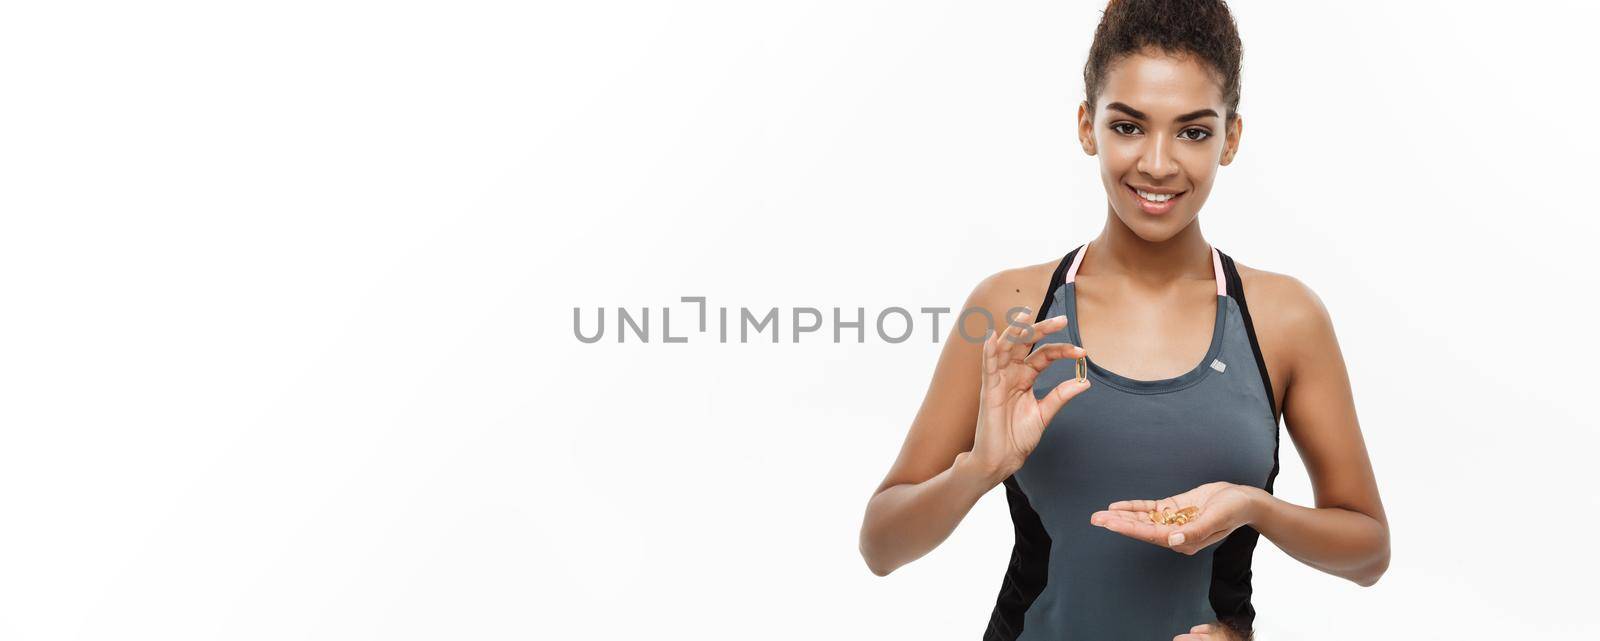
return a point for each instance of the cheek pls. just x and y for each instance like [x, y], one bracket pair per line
[1201, 173]
[1118, 160]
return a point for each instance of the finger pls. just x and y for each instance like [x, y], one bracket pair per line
[1046, 354]
[1042, 329]
[1144, 505]
[990, 354]
[1196, 539]
[1025, 333]
[1208, 542]
[1126, 515]
[994, 384]
[1058, 397]
[1195, 535]
[1022, 380]
[1012, 338]
[1202, 628]
[1192, 637]
[1147, 532]
[996, 346]
[1008, 329]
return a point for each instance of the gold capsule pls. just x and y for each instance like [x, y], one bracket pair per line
[1168, 517]
[1081, 369]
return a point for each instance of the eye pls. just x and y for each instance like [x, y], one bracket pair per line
[1203, 133]
[1115, 125]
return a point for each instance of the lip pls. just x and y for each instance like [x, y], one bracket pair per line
[1154, 209]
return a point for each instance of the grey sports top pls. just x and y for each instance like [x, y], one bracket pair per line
[1132, 439]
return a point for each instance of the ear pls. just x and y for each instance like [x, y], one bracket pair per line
[1086, 128]
[1230, 145]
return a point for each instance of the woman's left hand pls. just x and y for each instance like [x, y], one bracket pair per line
[1207, 632]
[1223, 508]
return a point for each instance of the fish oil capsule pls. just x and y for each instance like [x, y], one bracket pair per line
[1168, 517]
[1081, 369]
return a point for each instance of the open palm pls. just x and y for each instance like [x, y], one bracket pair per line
[1223, 508]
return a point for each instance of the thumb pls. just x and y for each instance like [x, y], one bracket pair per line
[1058, 397]
[1194, 532]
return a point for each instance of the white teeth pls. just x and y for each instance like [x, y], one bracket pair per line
[1155, 198]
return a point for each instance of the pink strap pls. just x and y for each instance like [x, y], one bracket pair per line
[1216, 266]
[1072, 272]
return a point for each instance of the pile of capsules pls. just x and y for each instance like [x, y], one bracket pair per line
[1168, 517]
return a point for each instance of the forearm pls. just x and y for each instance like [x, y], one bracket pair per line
[1335, 540]
[907, 521]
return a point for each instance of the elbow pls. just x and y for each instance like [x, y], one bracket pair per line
[1371, 578]
[1377, 569]
[869, 545]
[878, 569]
[872, 552]
[874, 563]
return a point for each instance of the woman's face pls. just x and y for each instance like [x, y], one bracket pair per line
[1158, 127]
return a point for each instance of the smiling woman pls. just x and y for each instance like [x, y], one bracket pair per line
[1182, 390]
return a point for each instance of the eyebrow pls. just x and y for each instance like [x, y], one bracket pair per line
[1193, 115]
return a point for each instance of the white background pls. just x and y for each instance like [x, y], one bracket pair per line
[287, 292]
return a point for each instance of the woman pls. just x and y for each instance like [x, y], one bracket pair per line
[1180, 403]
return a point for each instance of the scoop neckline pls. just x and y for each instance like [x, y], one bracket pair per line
[1137, 386]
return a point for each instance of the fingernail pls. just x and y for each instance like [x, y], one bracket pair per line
[1175, 539]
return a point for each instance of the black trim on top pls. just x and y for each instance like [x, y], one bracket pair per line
[1029, 569]
[1236, 288]
[1055, 281]
[1231, 574]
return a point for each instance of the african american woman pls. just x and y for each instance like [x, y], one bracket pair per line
[1183, 383]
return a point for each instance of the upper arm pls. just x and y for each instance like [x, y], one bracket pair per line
[1319, 408]
[947, 420]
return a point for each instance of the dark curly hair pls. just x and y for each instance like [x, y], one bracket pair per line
[1200, 28]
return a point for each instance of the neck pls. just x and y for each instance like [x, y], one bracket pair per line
[1119, 251]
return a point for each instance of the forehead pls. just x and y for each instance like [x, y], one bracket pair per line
[1161, 85]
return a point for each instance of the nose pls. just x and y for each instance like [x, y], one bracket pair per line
[1156, 161]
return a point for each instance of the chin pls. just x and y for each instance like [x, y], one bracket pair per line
[1154, 230]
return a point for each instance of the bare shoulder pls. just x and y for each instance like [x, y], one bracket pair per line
[1280, 292]
[1022, 286]
[1004, 293]
[1291, 322]
[1280, 299]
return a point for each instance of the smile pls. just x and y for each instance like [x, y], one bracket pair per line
[1154, 203]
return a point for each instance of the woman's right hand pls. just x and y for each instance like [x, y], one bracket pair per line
[1010, 420]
